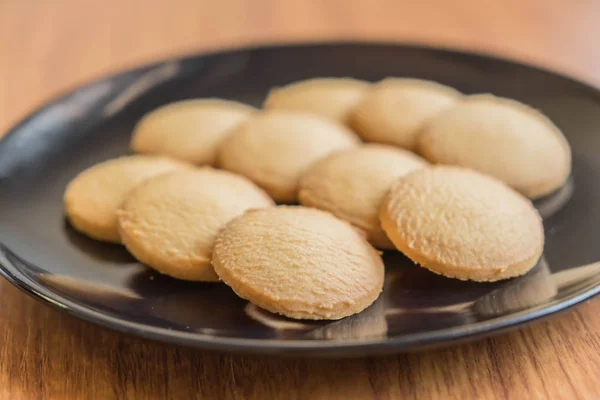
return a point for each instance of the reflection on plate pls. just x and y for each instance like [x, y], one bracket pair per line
[413, 299]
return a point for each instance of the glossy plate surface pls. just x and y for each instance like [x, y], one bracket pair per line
[102, 283]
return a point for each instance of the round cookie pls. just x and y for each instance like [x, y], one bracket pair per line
[330, 97]
[503, 138]
[300, 262]
[274, 148]
[92, 198]
[189, 130]
[170, 222]
[351, 184]
[462, 224]
[395, 109]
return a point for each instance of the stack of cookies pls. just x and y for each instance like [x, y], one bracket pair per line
[402, 164]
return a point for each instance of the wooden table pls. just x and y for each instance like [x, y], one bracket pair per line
[49, 46]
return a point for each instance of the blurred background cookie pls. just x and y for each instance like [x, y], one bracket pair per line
[275, 148]
[92, 198]
[170, 223]
[330, 97]
[503, 138]
[300, 262]
[351, 184]
[463, 224]
[395, 109]
[189, 130]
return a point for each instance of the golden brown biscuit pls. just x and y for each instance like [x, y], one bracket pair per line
[170, 222]
[300, 262]
[351, 184]
[462, 224]
[189, 130]
[329, 97]
[395, 109]
[92, 198]
[274, 148]
[503, 138]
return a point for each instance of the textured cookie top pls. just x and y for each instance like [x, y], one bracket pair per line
[395, 109]
[503, 138]
[351, 184]
[461, 223]
[189, 130]
[330, 97]
[170, 222]
[274, 148]
[300, 262]
[92, 198]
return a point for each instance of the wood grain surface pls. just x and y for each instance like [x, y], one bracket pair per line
[50, 46]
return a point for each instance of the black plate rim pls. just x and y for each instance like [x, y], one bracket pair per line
[12, 273]
[296, 347]
[110, 75]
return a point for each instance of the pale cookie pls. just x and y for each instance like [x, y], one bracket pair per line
[300, 262]
[92, 198]
[274, 148]
[395, 110]
[351, 184]
[330, 97]
[503, 138]
[189, 130]
[462, 224]
[170, 222]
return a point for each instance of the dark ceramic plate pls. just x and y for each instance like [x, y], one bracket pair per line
[102, 283]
